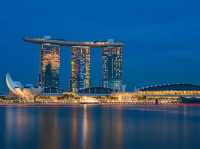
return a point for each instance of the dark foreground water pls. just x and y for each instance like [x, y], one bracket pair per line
[100, 127]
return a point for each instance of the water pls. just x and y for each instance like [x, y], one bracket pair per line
[99, 127]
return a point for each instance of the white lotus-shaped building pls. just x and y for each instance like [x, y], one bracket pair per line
[17, 89]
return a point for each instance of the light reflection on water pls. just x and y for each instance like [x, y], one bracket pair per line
[87, 127]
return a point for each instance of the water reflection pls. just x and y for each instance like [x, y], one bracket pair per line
[117, 129]
[48, 129]
[87, 127]
[15, 122]
[74, 129]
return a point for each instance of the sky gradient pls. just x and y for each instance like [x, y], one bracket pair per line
[162, 38]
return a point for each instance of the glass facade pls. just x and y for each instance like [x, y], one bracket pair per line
[112, 67]
[80, 68]
[49, 68]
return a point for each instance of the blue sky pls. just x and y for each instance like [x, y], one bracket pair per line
[162, 37]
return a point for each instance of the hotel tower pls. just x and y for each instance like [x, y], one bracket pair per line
[49, 68]
[112, 68]
[80, 68]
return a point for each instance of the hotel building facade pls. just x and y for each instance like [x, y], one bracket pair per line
[112, 68]
[80, 68]
[49, 68]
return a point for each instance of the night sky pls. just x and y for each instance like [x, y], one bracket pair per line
[162, 37]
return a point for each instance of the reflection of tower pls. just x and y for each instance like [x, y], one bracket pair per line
[49, 68]
[48, 129]
[112, 67]
[74, 129]
[85, 131]
[80, 68]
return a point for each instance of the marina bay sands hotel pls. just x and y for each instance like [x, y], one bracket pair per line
[80, 63]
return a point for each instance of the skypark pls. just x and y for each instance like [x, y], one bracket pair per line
[65, 43]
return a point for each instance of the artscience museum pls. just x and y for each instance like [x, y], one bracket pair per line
[27, 92]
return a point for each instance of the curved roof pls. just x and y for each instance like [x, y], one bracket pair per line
[96, 90]
[167, 87]
[11, 84]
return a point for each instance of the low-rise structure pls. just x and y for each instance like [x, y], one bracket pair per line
[27, 92]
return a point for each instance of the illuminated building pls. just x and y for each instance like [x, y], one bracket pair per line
[80, 68]
[27, 92]
[171, 90]
[49, 68]
[112, 68]
[80, 63]
[95, 91]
